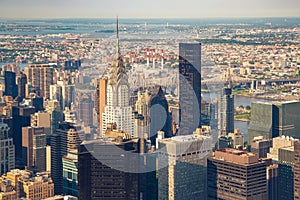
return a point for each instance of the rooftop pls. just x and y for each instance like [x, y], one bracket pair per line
[236, 156]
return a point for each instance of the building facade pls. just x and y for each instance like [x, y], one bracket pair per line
[182, 167]
[117, 109]
[40, 77]
[34, 148]
[286, 173]
[236, 174]
[226, 112]
[297, 170]
[273, 119]
[189, 87]
[7, 150]
[160, 117]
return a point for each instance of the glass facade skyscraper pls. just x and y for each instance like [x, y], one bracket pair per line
[189, 87]
[273, 119]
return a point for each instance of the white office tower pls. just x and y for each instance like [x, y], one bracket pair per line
[63, 92]
[7, 150]
[117, 109]
[182, 162]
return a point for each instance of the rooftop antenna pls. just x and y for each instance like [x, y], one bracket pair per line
[118, 48]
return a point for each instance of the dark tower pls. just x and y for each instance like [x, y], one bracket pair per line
[189, 87]
[11, 88]
[226, 112]
[22, 80]
[59, 143]
[160, 119]
[21, 118]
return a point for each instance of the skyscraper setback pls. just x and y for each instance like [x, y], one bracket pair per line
[189, 87]
[117, 109]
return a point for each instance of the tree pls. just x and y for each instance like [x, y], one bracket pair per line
[248, 107]
[241, 106]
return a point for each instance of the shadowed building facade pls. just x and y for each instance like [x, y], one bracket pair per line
[297, 170]
[189, 87]
[226, 112]
[160, 119]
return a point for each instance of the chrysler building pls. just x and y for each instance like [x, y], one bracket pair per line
[117, 109]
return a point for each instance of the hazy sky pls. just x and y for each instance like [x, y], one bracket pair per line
[148, 9]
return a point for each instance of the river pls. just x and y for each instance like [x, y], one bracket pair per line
[238, 100]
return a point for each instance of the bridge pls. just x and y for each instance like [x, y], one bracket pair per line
[281, 81]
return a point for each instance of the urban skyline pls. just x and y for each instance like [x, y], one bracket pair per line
[95, 109]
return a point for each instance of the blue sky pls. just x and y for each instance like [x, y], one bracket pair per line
[148, 9]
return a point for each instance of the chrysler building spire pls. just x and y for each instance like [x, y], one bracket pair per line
[117, 33]
[117, 69]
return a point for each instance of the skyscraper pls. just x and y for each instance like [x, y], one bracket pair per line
[189, 87]
[7, 150]
[286, 173]
[63, 92]
[21, 118]
[40, 77]
[101, 101]
[273, 119]
[272, 181]
[235, 174]
[261, 146]
[160, 119]
[58, 143]
[70, 161]
[22, 80]
[85, 109]
[182, 167]
[11, 88]
[297, 170]
[117, 109]
[226, 112]
[34, 148]
[142, 118]
[98, 181]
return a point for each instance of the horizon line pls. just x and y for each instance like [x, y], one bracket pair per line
[143, 18]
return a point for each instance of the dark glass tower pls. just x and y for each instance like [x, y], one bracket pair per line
[226, 112]
[22, 80]
[59, 143]
[21, 118]
[273, 119]
[99, 181]
[189, 87]
[11, 88]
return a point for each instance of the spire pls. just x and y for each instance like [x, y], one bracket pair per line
[117, 35]
[117, 69]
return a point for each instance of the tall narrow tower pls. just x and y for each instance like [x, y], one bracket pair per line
[162, 59]
[189, 87]
[117, 109]
[148, 57]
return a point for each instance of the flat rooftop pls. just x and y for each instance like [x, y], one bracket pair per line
[236, 156]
